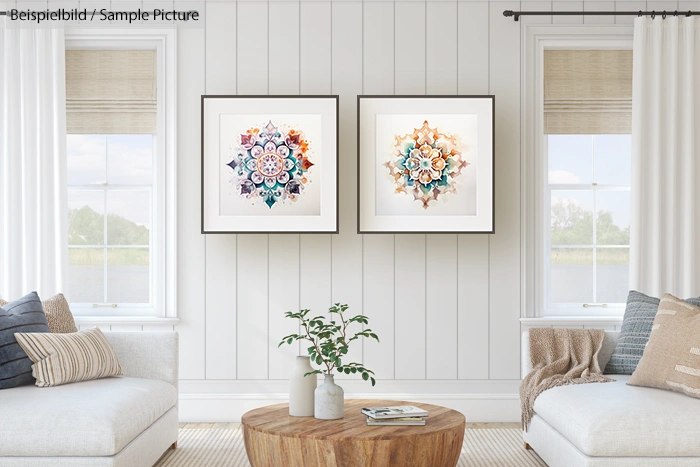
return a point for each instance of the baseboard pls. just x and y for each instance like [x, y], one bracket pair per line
[229, 407]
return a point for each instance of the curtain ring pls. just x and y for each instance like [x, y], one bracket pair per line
[653, 14]
[688, 15]
[664, 15]
[675, 13]
[640, 14]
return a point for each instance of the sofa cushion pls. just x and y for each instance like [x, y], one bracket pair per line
[57, 312]
[91, 418]
[23, 315]
[617, 420]
[636, 326]
[69, 357]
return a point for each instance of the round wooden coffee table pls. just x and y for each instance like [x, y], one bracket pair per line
[273, 438]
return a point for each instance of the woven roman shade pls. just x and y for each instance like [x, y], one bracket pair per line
[588, 91]
[111, 91]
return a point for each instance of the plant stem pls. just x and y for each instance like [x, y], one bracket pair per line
[318, 351]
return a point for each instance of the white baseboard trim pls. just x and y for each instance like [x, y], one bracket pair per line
[227, 407]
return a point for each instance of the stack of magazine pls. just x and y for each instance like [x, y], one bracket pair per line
[402, 415]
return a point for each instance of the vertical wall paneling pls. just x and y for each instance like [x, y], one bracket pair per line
[284, 296]
[567, 6]
[190, 248]
[252, 307]
[410, 69]
[316, 257]
[283, 37]
[253, 254]
[378, 250]
[252, 47]
[472, 250]
[410, 48]
[283, 259]
[598, 6]
[346, 81]
[441, 250]
[221, 249]
[442, 44]
[504, 250]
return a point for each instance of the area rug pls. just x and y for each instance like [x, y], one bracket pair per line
[218, 447]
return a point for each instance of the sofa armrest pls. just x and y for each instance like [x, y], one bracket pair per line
[149, 355]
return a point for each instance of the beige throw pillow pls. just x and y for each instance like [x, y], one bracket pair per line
[57, 312]
[671, 358]
[68, 358]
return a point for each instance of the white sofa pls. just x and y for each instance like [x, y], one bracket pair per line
[127, 421]
[613, 424]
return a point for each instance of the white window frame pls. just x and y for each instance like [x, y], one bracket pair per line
[534, 174]
[163, 247]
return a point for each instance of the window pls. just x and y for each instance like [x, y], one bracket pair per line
[588, 195]
[120, 173]
[110, 219]
[577, 140]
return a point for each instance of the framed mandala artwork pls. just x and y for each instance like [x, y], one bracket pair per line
[425, 164]
[269, 164]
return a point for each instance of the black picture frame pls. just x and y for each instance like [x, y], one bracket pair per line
[360, 99]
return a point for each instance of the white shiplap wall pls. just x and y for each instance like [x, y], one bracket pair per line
[447, 307]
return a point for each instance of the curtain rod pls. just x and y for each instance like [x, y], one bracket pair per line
[517, 14]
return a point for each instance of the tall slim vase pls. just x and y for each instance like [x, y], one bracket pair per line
[301, 389]
[329, 401]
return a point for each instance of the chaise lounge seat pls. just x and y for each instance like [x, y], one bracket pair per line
[613, 424]
[125, 421]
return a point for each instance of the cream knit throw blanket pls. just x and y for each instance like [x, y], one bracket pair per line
[560, 357]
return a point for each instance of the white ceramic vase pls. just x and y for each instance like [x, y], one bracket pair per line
[301, 389]
[329, 401]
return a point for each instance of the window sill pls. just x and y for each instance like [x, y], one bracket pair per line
[134, 320]
[572, 320]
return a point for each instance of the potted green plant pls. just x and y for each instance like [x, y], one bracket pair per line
[330, 341]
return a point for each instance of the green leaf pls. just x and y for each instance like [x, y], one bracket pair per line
[346, 370]
[365, 376]
[337, 361]
[290, 340]
[354, 370]
[319, 360]
[373, 381]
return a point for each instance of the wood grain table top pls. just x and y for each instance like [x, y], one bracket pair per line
[275, 419]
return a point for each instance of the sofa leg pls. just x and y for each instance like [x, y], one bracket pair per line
[174, 445]
[527, 446]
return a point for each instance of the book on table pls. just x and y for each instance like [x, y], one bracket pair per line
[400, 411]
[406, 421]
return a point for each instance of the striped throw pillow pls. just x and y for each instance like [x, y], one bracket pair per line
[23, 315]
[69, 358]
[58, 314]
[671, 359]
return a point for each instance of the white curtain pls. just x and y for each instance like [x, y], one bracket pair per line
[665, 228]
[33, 206]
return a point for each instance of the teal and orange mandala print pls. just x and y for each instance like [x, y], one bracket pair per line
[271, 165]
[425, 164]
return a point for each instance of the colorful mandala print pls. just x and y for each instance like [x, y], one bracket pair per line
[425, 164]
[271, 164]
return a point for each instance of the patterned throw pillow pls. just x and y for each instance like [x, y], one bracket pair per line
[69, 358]
[57, 312]
[23, 315]
[672, 357]
[634, 335]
